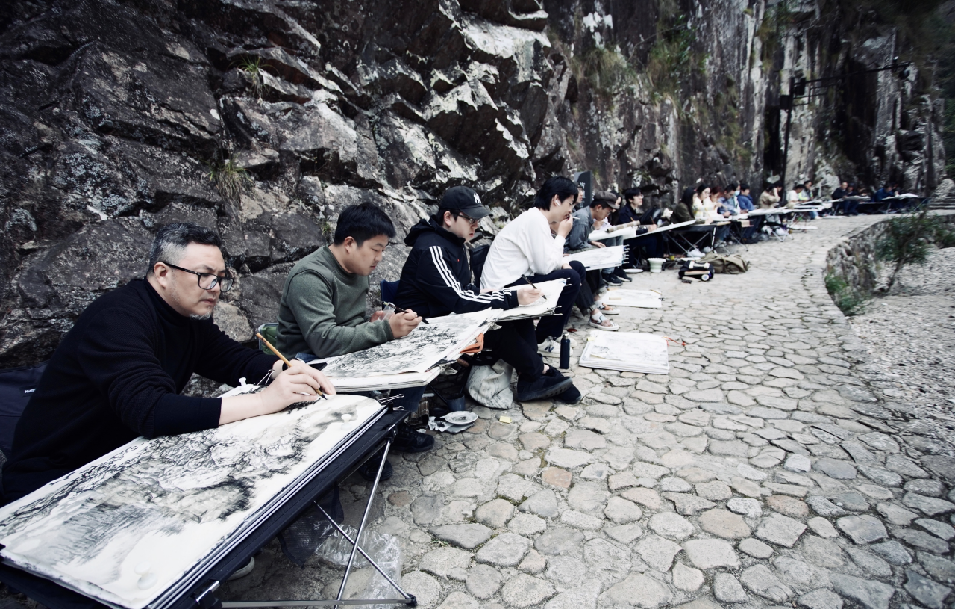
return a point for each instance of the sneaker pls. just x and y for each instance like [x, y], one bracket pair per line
[571, 395]
[550, 347]
[542, 387]
[611, 279]
[607, 309]
[407, 440]
[602, 323]
[244, 570]
[370, 468]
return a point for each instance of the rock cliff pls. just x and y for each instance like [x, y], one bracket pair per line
[264, 118]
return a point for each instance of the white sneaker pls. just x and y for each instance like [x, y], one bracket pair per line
[550, 348]
[694, 253]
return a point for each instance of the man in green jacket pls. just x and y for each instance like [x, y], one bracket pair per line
[322, 310]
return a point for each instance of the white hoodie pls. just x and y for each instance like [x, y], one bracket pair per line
[523, 247]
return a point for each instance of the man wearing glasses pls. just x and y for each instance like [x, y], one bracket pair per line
[118, 372]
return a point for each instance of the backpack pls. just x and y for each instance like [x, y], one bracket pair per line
[726, 263]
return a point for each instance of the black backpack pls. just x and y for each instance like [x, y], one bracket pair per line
[16, 388]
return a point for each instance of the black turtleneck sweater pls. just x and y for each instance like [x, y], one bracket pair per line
[117, 375]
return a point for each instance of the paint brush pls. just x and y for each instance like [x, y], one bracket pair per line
[424, 321]
[284, 360]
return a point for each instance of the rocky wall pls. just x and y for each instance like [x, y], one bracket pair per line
[263, 118]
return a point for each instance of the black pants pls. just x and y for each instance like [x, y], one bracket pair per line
[516, 344]
[553, 325]
[643, 247]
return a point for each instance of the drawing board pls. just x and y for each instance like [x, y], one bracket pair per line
[141, 524]
[599, 257]
[626, 351]
[439, 340]
[550, 291]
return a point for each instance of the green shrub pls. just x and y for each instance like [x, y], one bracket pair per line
[848, 300]
[229, 178]
[607, 71]
[907, 240]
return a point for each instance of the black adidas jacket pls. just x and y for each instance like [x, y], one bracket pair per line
[436, 278]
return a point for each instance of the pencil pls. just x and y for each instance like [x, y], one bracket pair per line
[284, 360]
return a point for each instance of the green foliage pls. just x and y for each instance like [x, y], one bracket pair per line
[776, 19]
[327, 229]
[907, 240]
[848, 300]
[229, 178]
[672, 59]
[607, 71]
[252, 67]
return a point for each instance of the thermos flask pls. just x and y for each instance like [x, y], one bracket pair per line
[565, 352]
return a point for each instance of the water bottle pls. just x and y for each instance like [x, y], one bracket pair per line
[565, 352]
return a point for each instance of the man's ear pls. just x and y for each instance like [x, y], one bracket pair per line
[349, 244]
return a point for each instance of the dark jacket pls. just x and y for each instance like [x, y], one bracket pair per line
[117, 375]
[436, 278]
[629, 214]
[681, 214]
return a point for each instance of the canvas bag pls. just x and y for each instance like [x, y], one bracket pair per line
[491, 385]
[726, 263]
[16, 389]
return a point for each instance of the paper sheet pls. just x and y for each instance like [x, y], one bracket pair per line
[626, 351]
[599, 257]
[632, 298]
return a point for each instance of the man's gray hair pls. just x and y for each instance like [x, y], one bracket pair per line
[172, 239]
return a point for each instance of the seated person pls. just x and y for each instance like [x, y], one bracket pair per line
[322, 309]
[684, 210]
[746, 203]
[118, 372]
[584, 221]
[770, 197]
[851, 206]
[436, 281]
[525, 249]
[643, 246]
[795, 196]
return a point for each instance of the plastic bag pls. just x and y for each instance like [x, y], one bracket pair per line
[384, 549]
[491, 385]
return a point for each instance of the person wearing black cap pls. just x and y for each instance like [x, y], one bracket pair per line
[436, 280]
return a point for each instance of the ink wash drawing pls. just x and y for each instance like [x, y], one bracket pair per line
[140, 524]
[440, 340]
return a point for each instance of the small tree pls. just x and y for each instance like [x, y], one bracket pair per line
[908, 238]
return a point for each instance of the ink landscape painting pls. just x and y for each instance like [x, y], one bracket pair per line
[144, 521]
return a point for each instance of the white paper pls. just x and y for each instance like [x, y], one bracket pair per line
[143, 521]
[644, 299]
[599, 257]
[626, 351]
[441, 339]
[550, 290]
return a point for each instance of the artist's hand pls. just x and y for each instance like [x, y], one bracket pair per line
[378, 316]
[667, 213]
[403, 323]
[299, 383]
[528, 295]
[651, 228]
[598, 244]
[564, 227]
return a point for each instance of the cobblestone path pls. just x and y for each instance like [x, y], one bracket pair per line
[766, 469]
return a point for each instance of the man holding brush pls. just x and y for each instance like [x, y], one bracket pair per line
[118, 372]
[436, 281]
[322, 310]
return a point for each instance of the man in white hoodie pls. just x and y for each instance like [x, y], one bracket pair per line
[526, 251]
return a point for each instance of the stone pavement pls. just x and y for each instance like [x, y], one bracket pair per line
[762, 471]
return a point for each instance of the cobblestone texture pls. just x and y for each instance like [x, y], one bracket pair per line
[773, 465]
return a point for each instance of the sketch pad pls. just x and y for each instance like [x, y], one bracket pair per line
[428, 345]
[551, 290]
[644, 299]
[626, 351]
[141, 524]
[599, 257]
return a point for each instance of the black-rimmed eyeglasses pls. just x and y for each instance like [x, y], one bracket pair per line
[470, 221]
[207, 281]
